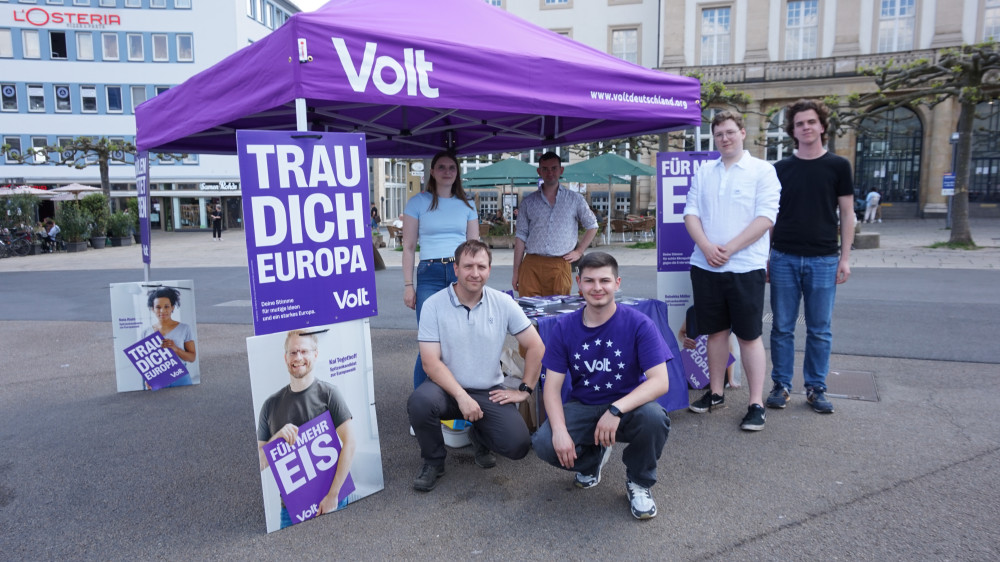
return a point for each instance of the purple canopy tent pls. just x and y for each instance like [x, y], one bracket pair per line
[416, 77]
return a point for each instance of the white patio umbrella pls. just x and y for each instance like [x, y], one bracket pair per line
[75, 189]
[22, 190]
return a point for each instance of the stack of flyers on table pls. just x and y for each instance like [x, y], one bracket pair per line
[537, 302]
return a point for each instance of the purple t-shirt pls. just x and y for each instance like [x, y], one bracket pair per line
[609, 361]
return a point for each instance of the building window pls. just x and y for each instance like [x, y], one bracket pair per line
[182, 4]
[157, 3]
[109, 42]
[896, 23]
[84, 45]
[700, 138]
[887, 157]
[81, 2]
[114, 96]
[60, 2]
[29, 44]
[801, 29]
[984, 178]
[185, 47]
[38, 151]
[625, 44]
[991, 20]
[108, 3]
[779, 144]
[497, 3]
[160, 89]
[57, 45]
[6, 44]
[8, 95]
[259, 10]
[715, 36]
[88, 99]
[15, 149]
[36, 97]
[160, 51]
[138, 96]
[133, 3]
[250, 7]
[134, 41]
[555, 3]
[63, 103]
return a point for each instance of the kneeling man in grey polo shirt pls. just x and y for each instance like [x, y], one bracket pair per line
[461, 335]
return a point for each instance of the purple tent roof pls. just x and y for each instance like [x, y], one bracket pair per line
[416, 77]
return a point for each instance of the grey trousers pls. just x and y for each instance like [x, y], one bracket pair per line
[501, 429]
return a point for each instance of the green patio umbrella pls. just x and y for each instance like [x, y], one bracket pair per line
[610, 165]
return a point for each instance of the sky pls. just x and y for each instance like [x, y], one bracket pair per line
[308, 5]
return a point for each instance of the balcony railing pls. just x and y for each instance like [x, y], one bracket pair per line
[805, 69]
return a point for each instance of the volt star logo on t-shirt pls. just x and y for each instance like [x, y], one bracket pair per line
[598, 365]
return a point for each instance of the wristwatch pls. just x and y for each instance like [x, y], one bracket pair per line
[525, 388]
[614, 411]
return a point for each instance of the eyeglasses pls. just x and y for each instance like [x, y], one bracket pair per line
[726, 134]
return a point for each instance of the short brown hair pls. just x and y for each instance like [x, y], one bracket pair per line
[822, 111]
[471, 248]
[311, 336]
[726, 115]
[597, 260]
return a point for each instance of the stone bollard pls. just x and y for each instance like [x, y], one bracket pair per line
[866, 241]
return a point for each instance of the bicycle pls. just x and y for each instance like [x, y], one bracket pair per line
[17, 243]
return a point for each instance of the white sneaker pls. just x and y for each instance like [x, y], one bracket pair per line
[641, 501]
[589, 481]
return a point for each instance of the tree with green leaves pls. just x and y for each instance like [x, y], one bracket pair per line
[969, 74]
[81, 152]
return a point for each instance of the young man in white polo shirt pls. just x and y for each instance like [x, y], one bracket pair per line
[730, 208]
[461, 335]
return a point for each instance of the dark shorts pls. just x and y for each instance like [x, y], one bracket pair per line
[724, 301]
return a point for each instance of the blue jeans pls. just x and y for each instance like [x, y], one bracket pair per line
[814, 281]
[645, 429]
[431, 278]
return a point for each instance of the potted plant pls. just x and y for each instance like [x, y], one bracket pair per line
[500, 236]
[74, 224]
[132, 208]
[96, 205]
[120, 229]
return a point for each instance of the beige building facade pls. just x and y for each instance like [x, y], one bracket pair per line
[778, 51]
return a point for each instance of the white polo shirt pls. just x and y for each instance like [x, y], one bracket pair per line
[727, 201]
[471, 339]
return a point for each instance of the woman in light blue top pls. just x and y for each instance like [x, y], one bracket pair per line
[441, 217]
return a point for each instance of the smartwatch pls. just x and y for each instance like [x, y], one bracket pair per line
[614, 411]
[525, 388]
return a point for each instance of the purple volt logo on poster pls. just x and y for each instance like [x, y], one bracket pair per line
[305, 470]
[673, 178]
[307, 228]
[159, 366]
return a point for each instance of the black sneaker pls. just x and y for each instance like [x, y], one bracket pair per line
[779, 396]
[428, 478]
[484, 457]
[707, 402]
[754, 420]
[819, 402]
[590, 480]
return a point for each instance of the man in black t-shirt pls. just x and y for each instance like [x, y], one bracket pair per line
[302, 400]
[805, 263]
